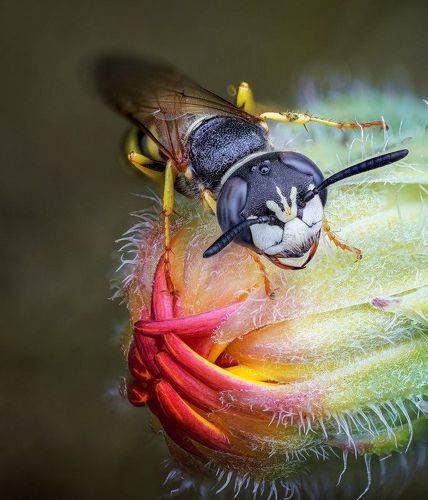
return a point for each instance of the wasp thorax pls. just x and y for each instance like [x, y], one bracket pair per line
[274, 184]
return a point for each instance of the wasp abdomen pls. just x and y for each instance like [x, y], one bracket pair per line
[219, 142]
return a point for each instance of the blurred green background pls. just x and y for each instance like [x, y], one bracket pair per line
[64, 200]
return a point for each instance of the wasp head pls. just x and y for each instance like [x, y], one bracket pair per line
[268, 192]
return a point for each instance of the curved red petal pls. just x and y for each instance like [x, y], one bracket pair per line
[188, 420]
[196, 325]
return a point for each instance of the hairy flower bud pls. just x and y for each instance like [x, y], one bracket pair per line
[261, 388]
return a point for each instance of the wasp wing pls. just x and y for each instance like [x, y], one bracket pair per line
[161, 101]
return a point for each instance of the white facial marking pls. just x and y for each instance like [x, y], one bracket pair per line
[313, 211]
[265, 236]
[295, 235]
[273, 240]
[287, 213]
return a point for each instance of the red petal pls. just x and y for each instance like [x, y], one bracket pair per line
[192, 389]
[171, 429]
[136, 365]
[196, 325]
[144, 314]
[162, 300]
[148, 348]
[137, 395]
[200, 345]
[207, 372]
[225, 360]
[188, 420]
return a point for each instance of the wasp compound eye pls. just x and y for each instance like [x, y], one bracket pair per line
[230, 204]
[304, 165]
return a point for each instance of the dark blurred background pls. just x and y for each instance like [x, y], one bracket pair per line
[64, 200]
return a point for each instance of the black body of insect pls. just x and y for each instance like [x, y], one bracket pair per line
[270, 201]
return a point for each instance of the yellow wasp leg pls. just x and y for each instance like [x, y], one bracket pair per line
[138, 160]
[244, 98]
[168, 201]
[304, 118]
[142, 163]
[340, 244]
[209, 201]
[168, 208]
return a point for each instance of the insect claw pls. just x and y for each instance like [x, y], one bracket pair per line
[358, 254]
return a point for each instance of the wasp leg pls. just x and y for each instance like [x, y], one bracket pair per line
[142, 163]
[148, 165]
[268, 287]
[340, 244]
[244, 98]
[304, 118]
[168, 209]
[209, 201]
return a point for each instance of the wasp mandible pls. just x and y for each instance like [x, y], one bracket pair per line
[204, 146]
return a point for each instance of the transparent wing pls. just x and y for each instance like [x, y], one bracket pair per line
[161, 101]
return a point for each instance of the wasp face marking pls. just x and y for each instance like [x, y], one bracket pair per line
[298, 232]
[288, 211]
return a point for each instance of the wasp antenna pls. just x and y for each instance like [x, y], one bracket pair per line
[227, 237]
[359, 168]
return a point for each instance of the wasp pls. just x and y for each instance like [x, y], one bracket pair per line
[203, 146]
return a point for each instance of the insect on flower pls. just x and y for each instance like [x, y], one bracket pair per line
[276, 396]
[204, 146]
